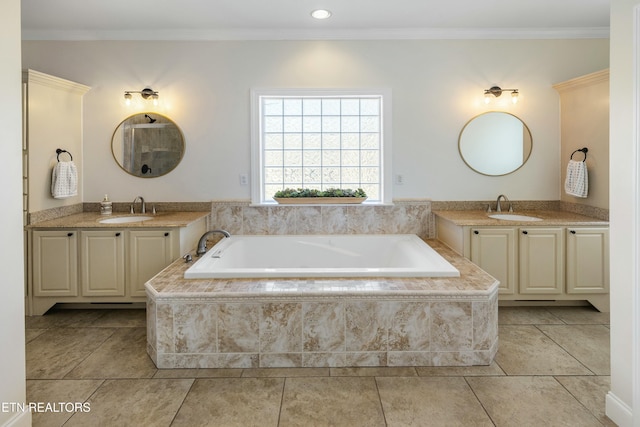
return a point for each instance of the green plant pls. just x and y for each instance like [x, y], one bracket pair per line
[330, 192]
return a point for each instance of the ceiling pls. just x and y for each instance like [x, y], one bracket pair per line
[290, 19]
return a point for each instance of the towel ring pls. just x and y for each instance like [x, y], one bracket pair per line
[58, 151]
[583, 150]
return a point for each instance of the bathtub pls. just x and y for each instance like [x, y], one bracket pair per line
[382, 255]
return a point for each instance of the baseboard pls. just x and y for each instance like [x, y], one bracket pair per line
[619, 412]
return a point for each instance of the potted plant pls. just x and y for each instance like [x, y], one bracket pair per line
[331, 195]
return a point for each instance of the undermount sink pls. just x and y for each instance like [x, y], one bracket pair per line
[515, 217]
[125, 219]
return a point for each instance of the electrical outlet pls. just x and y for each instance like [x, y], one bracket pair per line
[399, 179]
[244, 179]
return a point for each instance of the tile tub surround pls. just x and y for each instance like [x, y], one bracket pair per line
[240, 323]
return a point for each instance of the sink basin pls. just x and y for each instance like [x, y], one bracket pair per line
[125, 219]
[515, 217]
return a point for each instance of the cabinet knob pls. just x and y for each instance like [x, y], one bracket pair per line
[525, 232]
[166, 234]
[117, 234]
[69, 234]
[572, 231]
[476, 232]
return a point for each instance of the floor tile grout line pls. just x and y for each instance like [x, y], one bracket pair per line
[284, 385]
[384, 414]
[87, 399]
[479, 400]
[576, 398]
[565, 350]
[193, 382]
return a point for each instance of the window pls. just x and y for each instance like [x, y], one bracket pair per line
[321, 139]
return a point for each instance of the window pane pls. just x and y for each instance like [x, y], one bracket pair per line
[272, 107]
[293, 177]
[292, 124]
[369, 124]
[273, 175]
[331, 157]
[293, 158]
[311, 157]
[350, 158]
[331, 140]
[331, 124]
[311, 140]
[351, 175]
[350, 141]
[312, 107]
[350, 124]
[292, 141]
[331, 177]
[272, 141]
[370, 141]
[273, 158]
[370, 107]
[293, 107]
[370, 158]
[312, 124]
[331, 107]
[350, 107]
[311, 175]
[370, 175]
[273, 124]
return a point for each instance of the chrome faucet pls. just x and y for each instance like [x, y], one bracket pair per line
[143, 206]
[202, 243]
[502, 196]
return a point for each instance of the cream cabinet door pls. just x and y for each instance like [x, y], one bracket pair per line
[494, 251]
[541, 260]
[149, 252]
[102, 262]
[55, 263]
[587, 260]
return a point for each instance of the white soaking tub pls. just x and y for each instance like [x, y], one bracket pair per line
[380, 255]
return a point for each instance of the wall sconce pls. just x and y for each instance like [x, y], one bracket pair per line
[496, 91]
[145, 93]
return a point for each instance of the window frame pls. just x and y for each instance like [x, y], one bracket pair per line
[257, 166]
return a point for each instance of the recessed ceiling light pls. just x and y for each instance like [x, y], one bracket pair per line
[321, 14]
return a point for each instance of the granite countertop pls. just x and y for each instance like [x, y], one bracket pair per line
[92, 220]
[480, 217]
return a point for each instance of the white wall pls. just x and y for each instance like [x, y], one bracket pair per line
[623, 400]
[12, 370]
[437, 86]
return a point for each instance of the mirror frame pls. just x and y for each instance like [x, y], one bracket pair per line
[524, 161]
[142, 113]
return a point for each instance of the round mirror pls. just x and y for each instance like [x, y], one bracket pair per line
[147, 145]
[495, 143]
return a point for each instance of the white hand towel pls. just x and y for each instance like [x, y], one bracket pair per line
[577, 180]
[64, 180]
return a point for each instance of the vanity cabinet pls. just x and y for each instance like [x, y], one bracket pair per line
[55, 263]
[537, 263]
[102, 262]
[149, 252]
[587, 260]
[541, 260]
[494, 250]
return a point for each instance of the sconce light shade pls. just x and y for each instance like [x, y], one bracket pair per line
[496, 91]
[145, 93]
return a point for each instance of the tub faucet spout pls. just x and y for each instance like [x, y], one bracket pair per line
[202, 243]
[498, 208]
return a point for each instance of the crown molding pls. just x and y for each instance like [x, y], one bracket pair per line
[329, 34]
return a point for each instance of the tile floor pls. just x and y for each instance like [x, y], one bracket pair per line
[552, 369]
